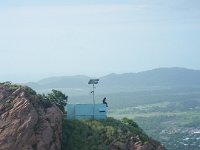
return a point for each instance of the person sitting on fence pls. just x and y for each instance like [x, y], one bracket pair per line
[104, 101]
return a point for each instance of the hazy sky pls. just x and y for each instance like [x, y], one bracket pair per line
[51, 38]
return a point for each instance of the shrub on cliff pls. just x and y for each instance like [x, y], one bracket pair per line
[55, 97]
[100, 134]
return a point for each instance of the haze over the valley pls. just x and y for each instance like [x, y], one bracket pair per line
[60, 38]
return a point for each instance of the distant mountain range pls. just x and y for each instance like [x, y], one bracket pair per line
[79, 81]
[157, 77]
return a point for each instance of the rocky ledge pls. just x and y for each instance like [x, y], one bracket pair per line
[24, 123]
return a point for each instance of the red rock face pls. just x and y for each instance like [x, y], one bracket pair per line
[134, 143]
[26, 125]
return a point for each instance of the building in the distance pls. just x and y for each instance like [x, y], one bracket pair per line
[86, 111]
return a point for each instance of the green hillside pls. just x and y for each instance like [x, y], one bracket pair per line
[105, 134]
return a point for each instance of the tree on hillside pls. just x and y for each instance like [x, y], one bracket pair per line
[58, 98]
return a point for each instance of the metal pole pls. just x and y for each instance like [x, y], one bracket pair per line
[93, 102]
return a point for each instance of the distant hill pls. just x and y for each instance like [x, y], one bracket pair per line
[157, 77]
[78, 81]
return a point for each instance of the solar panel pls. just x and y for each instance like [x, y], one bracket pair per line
[93, 81]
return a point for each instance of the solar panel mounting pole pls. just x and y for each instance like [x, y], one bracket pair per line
[93, 95]
[93, 82]
[93, 102]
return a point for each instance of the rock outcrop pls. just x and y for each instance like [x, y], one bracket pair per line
[25, 124]
[135, 143]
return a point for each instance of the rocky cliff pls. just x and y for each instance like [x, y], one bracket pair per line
[27, 123]
[24, 123]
